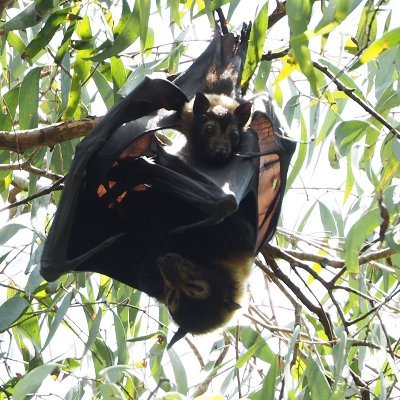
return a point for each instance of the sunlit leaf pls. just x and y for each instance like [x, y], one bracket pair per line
[62, 50]
[366, 31]
[15, 41]
[256, 44]
[299, 12]
[387, 41]
[128, 35]
[334, 14]
[43, 38]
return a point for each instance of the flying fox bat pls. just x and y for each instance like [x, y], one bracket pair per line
[174, 226]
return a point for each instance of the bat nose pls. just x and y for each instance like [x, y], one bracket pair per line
[221, 153]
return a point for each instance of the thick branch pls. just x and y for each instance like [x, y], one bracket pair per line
[48, 136]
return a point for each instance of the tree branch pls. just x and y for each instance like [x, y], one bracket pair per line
[350, 93]
[295, 255]
[319, 311]
[26, 166]
[277, 14]
[20, 141]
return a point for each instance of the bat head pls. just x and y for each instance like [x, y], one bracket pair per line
[199, 299]
[218, 122]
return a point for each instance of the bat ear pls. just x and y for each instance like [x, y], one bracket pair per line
[201, 104]
[242, 113]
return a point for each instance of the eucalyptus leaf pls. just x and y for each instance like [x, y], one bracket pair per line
[11, 310]
[32, 381]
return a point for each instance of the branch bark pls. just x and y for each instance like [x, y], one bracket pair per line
[20, 141]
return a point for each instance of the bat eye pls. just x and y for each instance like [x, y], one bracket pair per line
[196, 289]
[209, 129]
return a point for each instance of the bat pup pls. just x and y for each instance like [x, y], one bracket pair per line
[213, 125]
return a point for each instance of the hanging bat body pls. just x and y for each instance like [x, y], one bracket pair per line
[182, 228]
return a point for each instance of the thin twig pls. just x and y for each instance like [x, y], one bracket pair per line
[350, 93]
[26, 166]
[56, 186]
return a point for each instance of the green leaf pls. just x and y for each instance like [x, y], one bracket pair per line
[64, 306]
[366, 31]
[387, 41]
[46, 34]
[339, 353]
[144, 22]
[347, 133]
[316, 379]
[81, 71]
[256, 44]
[93, 331]
[260, 81]
[256, 346]
[104, 88]
[11, 310]
[179, 371]
[30, 16]
[29, 100]
[8, 231]
[15, 41]
[120, 334]
[10, 103]
[356, 236]
[349, 179]
[118, 75]
[301, 154]
[334, 14]
[267, 391]
[62, 50]
[299, 13]
[31, 382]
[327, 218]
[113, 373]
[128, 35]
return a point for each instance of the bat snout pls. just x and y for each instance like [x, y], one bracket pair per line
[221, 153]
